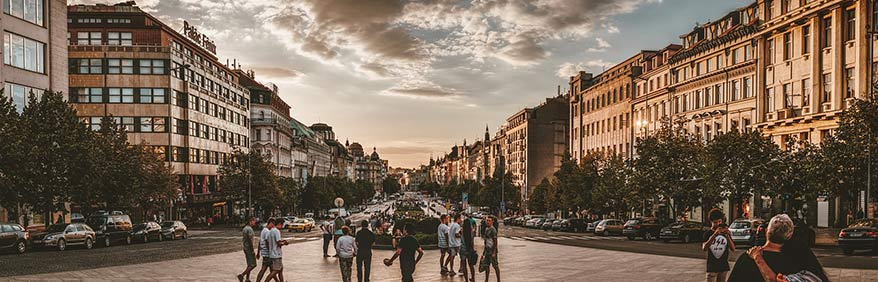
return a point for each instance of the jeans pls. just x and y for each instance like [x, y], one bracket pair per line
[345, 265]
[364, 266]
[408, 270]
[327, 238]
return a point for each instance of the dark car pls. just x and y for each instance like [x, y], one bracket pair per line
[801, 231]
[547, 225]
[111, 228]
[646, 227]
[14, 237]
[67, 234]
[863, 234]
[174, 230]
[687, 231]
[573, 225]
[147, 231]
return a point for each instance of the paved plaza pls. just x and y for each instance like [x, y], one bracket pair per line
[519, 261]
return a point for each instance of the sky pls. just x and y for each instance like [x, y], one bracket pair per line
[414, 78]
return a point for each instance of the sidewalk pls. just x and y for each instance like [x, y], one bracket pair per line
[826, 236]
[519, 261]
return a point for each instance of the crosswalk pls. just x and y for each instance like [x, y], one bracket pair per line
[564, 237]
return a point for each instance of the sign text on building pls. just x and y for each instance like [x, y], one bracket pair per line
[202, 40]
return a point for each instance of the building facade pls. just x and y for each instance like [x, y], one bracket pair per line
[34, 55]
[370, 168]
[270, 132]
[165, 88]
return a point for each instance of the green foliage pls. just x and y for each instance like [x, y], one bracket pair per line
[846, 153]
[391, 185]
[10, 153]
[321, 191]
[740, 164]
[537, 201]
[250, 177]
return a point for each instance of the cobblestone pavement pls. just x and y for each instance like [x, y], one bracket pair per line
[520, 260]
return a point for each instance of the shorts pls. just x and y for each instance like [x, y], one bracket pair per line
[251, 258]
[266, 262]
[443, 250]
[453, 251]
[277, 264]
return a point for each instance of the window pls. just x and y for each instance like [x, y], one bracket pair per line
[736, 90]
[88, 38]
[769, 100]
[180, 99]
[734, 55]
[180, 126]
[769, 52]
[120, 66]
[152, 95]
[89, 66]
[790, 100]
[19, 94]
[719, 61]
[748, 86]
[747, 52]
[205, 131]
[787, 46]
[126, 123]
[152, 67]
[193, 129]
[851, 28]
[119, 38]
[193, 103]
[89, 95]
[784, 6]
[88, 20]
[806, 39]
[120, 95]
[119, 21]
[768, 6]
[827, 88]
[152, 124]
[827, 32]
[93, 123]
[806, 91]
[850, 82]
[28, 10]
[24, 53]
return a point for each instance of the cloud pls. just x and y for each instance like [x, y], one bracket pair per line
[611, 28]
[602, 46]
[275, 72]
[600, 63]
[425, 92]
[567, 70]
[523, 50]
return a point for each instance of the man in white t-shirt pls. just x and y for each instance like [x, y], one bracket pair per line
[442, 233]
[453, 243]
[326, 227]
[264, 238]
[275, 242]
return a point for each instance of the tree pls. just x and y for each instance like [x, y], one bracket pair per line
[537, 201]
[292, 193]
[155, 185]
[250, 172]
[612, 187]
[846, 152]
[573, 184]
[10, 155]
[739, 164]
[390, 185]
[498, 189]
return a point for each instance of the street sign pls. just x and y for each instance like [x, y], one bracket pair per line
[339, 202]
[503, 207]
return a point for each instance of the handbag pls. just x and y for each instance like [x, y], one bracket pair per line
[483, 264]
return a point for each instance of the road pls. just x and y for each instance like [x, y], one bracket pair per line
[829, 256]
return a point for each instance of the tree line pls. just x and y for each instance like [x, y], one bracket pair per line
[50, 160]
[680, 170]
[488, 193]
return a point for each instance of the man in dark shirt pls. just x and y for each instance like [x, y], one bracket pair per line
[718, 246]
[775, 257]
[365, 239]
[405, 251]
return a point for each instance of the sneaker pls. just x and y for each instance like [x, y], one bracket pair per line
[451, 273]
[240, 278]
[443, 272]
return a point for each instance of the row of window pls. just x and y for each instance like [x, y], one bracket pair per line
[24, 53]
[606, 125]
[207, 84]
[714, 95]
[181, 127]
[204, 106]
[204, 131]
[607, 99]
[19, 94]
[131, 124]
[28, 10]
[200, 60]
[119, 38]
[119, 95]
[118, 66]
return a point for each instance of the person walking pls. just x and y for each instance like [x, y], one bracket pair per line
[454, 233]
[406, 250]
[468, 254]
[489, 255]
[264, 238]
[718, 246]
[442, 233]
[347, 249]
[326, 227]
[365, 239]
[275, 243]
[336, 231]
[249, 255]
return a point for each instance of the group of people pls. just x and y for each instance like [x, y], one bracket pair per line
[456, 239]
[786, 256]
[270, 244]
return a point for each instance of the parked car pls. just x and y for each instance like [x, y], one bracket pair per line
[573, 225]
[744, 230]
[301, 224]
[536, 222]
[61, 236]
[863, 234]
[687, 231]
[609, 227]
[592, 225]
[14, 237]
[801, 231]
[111, 228]
[174, 229]
[146, 231]
[556, 226]
[547, 224]
[647, 228]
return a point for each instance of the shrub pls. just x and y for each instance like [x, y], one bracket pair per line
[427, 226]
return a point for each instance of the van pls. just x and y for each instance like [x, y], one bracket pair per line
[111, 228]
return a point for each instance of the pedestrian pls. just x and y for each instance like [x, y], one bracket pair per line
[365, 239]
[779, 255]
[347, 249]
[326, 227]
[209, 222]
[861, 214]
[408, 245]
[718, 246]
[264, 238]
[275, 243]
[442, 233]
[249, 254]
[850, 217]
[468, 254]
[453, 243]
[489, 255]
[336, 230]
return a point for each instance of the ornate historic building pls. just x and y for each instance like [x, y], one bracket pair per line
[270, 132]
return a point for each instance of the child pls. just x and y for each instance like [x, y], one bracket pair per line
[718, 246]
